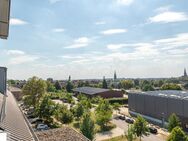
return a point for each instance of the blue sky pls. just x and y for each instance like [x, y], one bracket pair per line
[92, 38]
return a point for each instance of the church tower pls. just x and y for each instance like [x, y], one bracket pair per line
[115, 76]
[185, 73]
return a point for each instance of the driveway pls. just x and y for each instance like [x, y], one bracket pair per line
[124, 127]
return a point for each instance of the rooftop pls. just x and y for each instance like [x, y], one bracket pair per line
[90, 90]
[14, 123]
[61, 134]
[165, 93]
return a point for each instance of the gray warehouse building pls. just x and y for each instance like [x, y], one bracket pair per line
[157, 106]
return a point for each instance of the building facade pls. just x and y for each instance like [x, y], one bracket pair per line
[157, 106]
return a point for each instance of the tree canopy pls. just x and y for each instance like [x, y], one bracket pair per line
[173, 121]
[34, 89]
[103, 113]
[177, 134]
[87, 126]
[140, 127]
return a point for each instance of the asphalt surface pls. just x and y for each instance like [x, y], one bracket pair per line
[124, 126]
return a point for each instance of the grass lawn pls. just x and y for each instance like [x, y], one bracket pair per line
[120, 138]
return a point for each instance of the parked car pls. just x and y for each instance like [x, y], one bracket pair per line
[152, 130]
[35, 120]
[129, 120]
[122, 117]
[42, 127]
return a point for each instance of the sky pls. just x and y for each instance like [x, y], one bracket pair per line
[92, 38]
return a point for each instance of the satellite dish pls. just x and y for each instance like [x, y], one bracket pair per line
[4, 18]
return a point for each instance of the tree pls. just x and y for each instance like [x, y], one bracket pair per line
[78, 110]
[170, 86]
[50, 87]
[103, 113]
[34, 89]
[140, 127]
[147, 87]
[127, 84]
[173, 121]
[69, 85]
[64, 115]
[57, 85]
[87, 126]
[130, 136]
[46, 108]
[104, 83]
[177, 134]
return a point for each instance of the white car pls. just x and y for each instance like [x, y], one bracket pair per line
[42, 127]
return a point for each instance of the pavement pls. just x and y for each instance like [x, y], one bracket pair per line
[124, 127]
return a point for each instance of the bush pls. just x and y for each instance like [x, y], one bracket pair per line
[118, 100]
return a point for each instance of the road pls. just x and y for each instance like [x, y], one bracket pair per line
[124, 126]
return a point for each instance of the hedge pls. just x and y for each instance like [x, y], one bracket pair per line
[118, 100]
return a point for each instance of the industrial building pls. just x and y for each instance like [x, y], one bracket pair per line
[157, 106]
[93, 92]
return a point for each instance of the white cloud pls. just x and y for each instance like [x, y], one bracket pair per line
[79, 43]
[14, 21]
[113, 31]
[124, 2]
[22, 59]
[54, 1]
[115, 46]
[163, 8]
[15, 52]
[58, 30]
[169, 43]
[100, 23]
[169, 16]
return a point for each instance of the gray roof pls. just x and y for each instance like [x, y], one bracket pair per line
[165, 93]
[64, 133]
[14, 123]
[90, 90]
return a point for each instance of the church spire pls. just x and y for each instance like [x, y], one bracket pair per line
[185, 73]
[115, 76]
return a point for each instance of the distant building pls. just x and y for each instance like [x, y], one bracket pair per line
[115, 82]
[93, 92]
[185, 73]
[157, 106]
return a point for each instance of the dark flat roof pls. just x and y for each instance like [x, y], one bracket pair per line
[90, 90]
[165, 93]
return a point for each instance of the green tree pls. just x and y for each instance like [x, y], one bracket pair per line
[173, 121]
[57, 85]
[147, 87]
[177, 134]
[34, 89]
[79, 110]
[103, 113]
[140, 127]
[171, 86]
[104, 83]
[69, 85]
[64, 115]
[127, 84]
[87, 126]
[46, 109]
[130, 136]
[50, 87]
